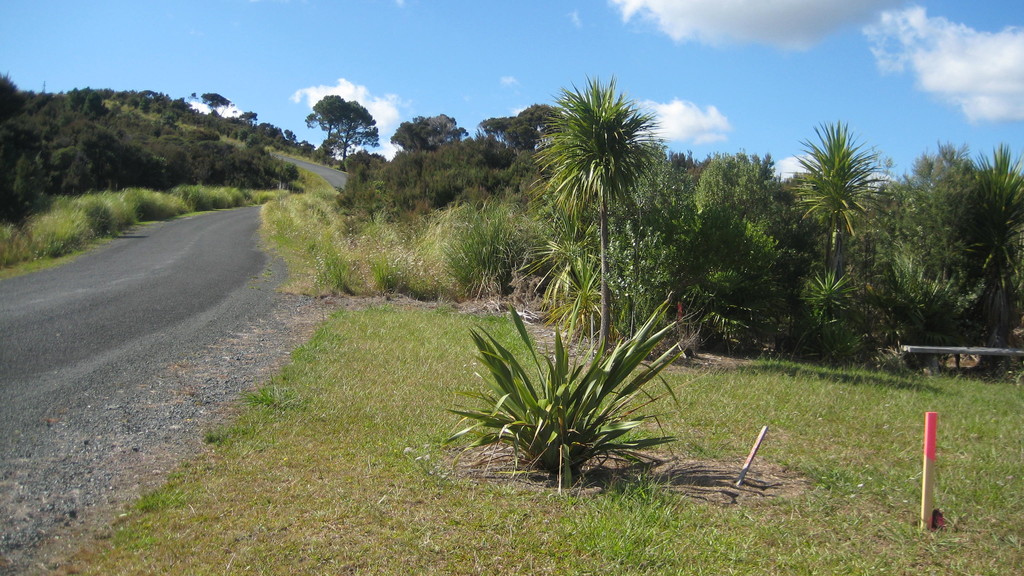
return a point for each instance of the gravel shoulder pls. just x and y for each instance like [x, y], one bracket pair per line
[54, 504]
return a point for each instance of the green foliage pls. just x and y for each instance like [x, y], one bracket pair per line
[995, 223]
[334, 273]
[831, 331]
[598, 148]
[203, 198]
[71, 223]
[727, 274]
[347, 123]
[564, 414]
[88, 140]
[59, 232]
[840, 178]
[152, 205]
[426, 134]
[471, 170]
[644, 249]
[916, 309]
[523, 131]
[272, 396]
[489, 248]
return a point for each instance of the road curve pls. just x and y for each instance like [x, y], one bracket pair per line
[335, 178]
[83, 352]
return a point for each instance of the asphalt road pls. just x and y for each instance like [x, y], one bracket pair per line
[335, 178]
[71, 335]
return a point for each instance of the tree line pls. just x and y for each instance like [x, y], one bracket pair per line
[839, 262]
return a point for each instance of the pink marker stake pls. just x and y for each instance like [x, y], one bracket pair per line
[931, 420]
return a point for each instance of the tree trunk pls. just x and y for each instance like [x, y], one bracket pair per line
[605, 304]
[836, 260]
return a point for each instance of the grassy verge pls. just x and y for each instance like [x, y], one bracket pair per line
[451, 254]
[73, 223]
[335, 467]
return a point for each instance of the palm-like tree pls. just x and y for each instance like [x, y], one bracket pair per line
[598, 146]
[996, 224]
[839, 178]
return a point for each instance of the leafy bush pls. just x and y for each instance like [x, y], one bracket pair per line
[566, 413]
[916, 309]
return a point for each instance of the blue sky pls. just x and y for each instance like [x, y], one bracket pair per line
[721, 75]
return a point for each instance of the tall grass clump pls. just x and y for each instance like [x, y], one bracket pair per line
[202, 198]
[490, 245]
[108, 213]
[13, 245]
[152, 205]
[330, 251]
[59, 231]
[71, 223]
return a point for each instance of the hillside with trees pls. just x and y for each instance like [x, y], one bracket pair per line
[88, 140]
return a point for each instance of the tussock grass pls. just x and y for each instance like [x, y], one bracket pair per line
[350, 478]
[73, 223]
[456, 253]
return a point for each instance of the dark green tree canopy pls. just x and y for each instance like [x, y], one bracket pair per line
[11, 100]
[215, 101]
[348, 125]
[425, 134]
[523, 131]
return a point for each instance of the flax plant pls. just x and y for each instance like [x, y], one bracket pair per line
[560, 414]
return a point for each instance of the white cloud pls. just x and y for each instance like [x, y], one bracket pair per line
[509, 81]
[790, 24]
[682, 121]
[229, 111]
[574, 17]
[383, 109]
[788, 166]
[981, 72]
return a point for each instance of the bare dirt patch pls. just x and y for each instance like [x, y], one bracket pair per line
[710, 481]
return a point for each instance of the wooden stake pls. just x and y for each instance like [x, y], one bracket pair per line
[928, 475]
[750, 458]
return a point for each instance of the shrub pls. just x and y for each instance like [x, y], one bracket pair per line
[567, 413]
[489, 247]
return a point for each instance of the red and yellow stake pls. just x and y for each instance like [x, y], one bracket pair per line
[931, 420]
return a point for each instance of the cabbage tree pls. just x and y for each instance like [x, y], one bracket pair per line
[597, 148]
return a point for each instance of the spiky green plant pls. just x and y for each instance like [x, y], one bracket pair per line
[995, 225]
[561, 414]
[598, 147]
[839, 179]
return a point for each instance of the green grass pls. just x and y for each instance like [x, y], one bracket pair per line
[451, 254]
[72, 224]
[350, 479]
